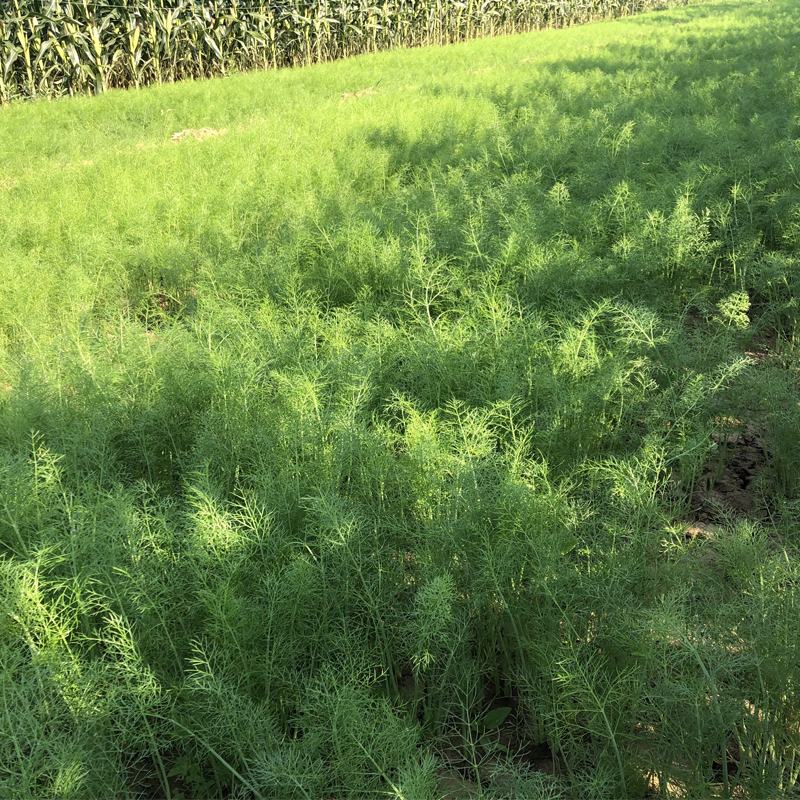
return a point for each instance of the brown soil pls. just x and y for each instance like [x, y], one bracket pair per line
[725, 490]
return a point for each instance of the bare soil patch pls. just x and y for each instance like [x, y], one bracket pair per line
[362, 93]
[196, 133]
[726, 487]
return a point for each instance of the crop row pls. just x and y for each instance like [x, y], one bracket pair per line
[59, 47]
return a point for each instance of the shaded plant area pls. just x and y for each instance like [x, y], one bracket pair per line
[57, 47]
[436, 442]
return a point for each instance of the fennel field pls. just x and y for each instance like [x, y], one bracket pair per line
[421, 425]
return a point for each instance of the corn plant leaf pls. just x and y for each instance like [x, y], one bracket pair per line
[213, 45]
[495, 718]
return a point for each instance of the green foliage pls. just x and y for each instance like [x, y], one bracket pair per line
[357, 450]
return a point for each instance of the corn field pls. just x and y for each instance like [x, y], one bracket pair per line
[67, 47]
